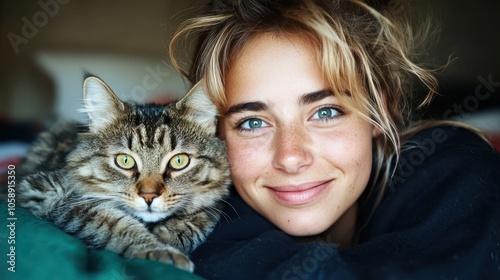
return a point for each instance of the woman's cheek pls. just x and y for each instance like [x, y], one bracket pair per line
[246, 149]
[244, 157]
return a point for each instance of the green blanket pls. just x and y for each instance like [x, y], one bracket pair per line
[42, 251]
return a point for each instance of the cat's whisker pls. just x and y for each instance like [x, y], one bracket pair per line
[222, 214]
[218, 211]
[214, 211]
[226, 202]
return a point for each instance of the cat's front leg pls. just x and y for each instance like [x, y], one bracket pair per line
[186, 231]
[167, 254]
[102, 226]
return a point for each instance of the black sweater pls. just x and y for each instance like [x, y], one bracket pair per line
[438, 219]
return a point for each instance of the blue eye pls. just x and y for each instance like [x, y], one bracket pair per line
[326, 113]
[253, 123]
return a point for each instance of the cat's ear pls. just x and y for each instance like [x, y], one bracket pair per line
[198, 108]
[100, 103]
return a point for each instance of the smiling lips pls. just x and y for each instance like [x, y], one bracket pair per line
[299, 194]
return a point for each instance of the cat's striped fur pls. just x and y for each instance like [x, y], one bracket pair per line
[163, 206]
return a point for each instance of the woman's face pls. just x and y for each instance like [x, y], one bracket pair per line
[298, 157]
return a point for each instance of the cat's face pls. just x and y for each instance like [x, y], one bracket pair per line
[151, 161]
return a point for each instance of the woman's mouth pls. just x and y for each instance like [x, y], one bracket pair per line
[299, 194]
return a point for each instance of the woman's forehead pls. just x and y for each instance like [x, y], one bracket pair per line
[271, 64]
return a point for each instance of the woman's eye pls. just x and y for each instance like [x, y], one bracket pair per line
[125, 161]
[326, 113]
[250, 124]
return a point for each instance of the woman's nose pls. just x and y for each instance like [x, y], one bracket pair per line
[292, 149]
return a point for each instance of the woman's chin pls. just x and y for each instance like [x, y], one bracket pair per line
[302, 227]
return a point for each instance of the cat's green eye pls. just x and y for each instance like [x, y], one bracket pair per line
[125, 161]
[179, 162]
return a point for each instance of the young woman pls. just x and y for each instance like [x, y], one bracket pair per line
[331, 176]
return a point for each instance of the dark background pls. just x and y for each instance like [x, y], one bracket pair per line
[471, 35]
[124, 40]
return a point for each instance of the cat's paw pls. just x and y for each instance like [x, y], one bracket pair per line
[171, 256]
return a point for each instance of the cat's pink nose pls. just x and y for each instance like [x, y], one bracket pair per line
[148, 197]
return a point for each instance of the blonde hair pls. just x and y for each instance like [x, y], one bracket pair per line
[354, 41]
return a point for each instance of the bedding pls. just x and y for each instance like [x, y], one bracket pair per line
[42, 251]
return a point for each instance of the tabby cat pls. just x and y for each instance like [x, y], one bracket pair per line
[145, 181]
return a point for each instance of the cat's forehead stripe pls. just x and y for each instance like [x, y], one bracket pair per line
[141, 133]
[159, 135]
[173, 141]
[142, 137]
[130, 142]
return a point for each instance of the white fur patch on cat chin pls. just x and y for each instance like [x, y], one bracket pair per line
[151, 217]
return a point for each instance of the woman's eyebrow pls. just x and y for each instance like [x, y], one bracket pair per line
[261, 106]
[312, 97]
[249, 106]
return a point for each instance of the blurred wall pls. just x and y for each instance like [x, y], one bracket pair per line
[470, 85]
[46, 43]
